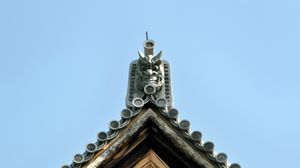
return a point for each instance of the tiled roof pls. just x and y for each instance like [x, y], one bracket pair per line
[127, 115]
[150, 83]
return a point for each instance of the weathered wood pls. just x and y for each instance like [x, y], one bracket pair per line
[149, 128]
[151, 159]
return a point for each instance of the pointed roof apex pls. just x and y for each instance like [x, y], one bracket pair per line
[169, 132]
[149, 107]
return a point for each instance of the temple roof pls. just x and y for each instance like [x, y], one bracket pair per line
[177, 132]
[149, 121]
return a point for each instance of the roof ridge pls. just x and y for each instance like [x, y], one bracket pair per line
[149, 85]
[183, 126]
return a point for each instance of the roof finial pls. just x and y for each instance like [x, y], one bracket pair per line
[146, 35]
[149, 80]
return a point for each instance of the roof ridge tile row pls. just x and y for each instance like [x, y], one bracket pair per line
[127, 115]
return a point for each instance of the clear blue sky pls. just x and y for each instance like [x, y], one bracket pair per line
[235, 74]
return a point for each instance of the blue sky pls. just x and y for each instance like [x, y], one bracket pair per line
[235, 74]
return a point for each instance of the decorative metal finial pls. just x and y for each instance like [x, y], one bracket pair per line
[149, 79]
[146, 35]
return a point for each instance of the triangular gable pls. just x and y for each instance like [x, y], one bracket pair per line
[151, 160]
[143, 128]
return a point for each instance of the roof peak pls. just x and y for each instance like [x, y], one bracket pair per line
[149, 98]
[177, 131]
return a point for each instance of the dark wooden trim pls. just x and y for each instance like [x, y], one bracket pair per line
[150, 138]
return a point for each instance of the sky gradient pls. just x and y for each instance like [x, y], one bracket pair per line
[234, 64]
